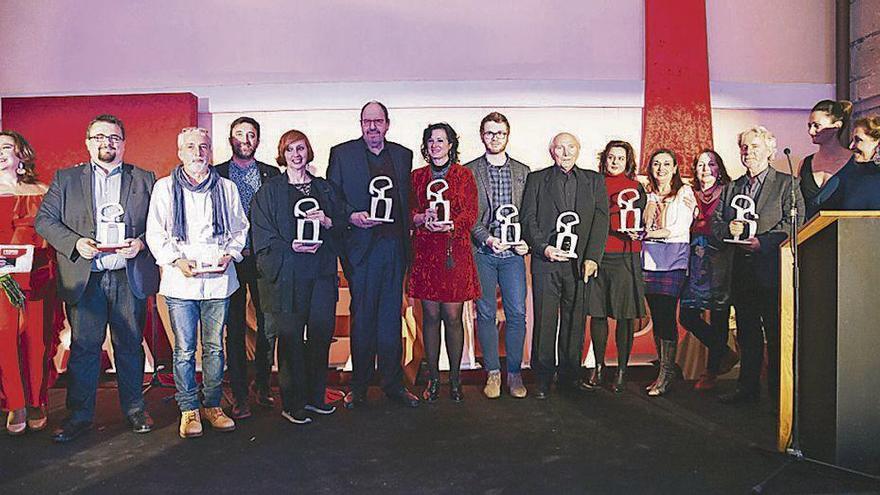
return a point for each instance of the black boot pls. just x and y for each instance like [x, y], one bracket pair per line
[625, 332]
[667, 368]
[599, 337]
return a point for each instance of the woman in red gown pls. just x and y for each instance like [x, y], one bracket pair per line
[30, 313]
[443, 273]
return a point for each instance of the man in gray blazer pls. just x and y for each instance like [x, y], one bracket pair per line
[500, 181]
[755, 277]
[101, 286]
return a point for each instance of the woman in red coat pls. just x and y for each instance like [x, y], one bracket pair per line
[443, 273]
[30, 313]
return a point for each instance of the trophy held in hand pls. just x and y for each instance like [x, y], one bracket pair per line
[380, 205]
[630, 216]
[110, 232]
[745, 214]
[510, 231]
[438, 203]
[566, 239]
[308, 230]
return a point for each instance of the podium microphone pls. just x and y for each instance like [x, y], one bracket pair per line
[787, 152]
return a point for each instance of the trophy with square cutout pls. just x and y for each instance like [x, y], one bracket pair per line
[435, 191]
[566, 239]
[207, 256]
[511, 232]
[745, 213]
[16, 258]
[630, 216]
[110, 232]
[380, 205]
[308, 230]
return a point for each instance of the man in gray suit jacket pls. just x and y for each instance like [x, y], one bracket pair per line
[500, 181]
[98, 285]
[755, 277]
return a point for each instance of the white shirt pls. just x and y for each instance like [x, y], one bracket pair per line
[672, 252]
[199, 230]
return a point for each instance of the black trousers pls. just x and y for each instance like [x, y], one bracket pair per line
[757, 319]
[236, 331]
[559, 299]
[304, 337]
[376, 286]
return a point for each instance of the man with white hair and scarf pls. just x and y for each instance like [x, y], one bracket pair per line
[196, 228]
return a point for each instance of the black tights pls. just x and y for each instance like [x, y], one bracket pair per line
[663, 316]
[623, 339]
[713, 335]
[450, 313]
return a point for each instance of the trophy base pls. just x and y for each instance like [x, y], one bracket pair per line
[441, 224]
[512, 244]
[626, 231]
[570, 256]
[111, 248]
[732, 241]
[309, 243]
[208, 269]
[381, 220]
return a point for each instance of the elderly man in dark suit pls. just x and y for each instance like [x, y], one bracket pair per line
[375, 254]
[500, 181]
[560, 283]
[100, 286]
[248, 174]
[755, 278]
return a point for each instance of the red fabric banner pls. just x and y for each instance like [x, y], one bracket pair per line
[678, 113]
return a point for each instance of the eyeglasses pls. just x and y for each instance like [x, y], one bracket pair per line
[100, 138]
[372, 122]
[493, 135]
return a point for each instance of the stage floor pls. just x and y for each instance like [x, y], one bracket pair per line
[685, 442]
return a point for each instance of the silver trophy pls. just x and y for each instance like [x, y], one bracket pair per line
[438, 203]
[566, 240]
[380, 206]
[511, 232]
[630, 216]
[308, 230]
[745, 213]
[110, 232]
[206, 256]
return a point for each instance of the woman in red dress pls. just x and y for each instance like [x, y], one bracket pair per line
[30, 312]
[443, 273]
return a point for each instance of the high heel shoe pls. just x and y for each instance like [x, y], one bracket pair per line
[455, 391]
[619, 382]
[16, 422]
[36, 418]
[432, 390]
[597, 376]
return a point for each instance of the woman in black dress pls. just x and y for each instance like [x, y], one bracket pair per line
[822, 171]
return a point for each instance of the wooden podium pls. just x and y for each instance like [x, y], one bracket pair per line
[839, 403]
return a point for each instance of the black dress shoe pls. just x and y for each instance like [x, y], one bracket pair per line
[405, 397]
[740, 397]
[432, 390]
[263, 397]
[585, 386]
[455, 392]
[140, 422]
[542, 392]
[354, 399]
[70, 430]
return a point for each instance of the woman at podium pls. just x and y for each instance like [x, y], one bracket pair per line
[822, 171]
[30, 313]
[443, 273]
[860, 190]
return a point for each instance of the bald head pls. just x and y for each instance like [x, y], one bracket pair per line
[564, 148]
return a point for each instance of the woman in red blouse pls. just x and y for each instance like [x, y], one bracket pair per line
[708, 284]
[619, 291]
[30, 312]
[443, 273]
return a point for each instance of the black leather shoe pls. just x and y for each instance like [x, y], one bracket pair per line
[354, 399]
[740, 397]
[542, 392]
[263, 397]
[585, 386]
[70, 430]
[405, 397]
[432, 391]
[140, 422]
[455, 392]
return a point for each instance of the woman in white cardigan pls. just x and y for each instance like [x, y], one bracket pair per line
[665, 253]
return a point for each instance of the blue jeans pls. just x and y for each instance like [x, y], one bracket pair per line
[509, 274]
[186, 315]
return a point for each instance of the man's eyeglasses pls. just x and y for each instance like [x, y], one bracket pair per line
[372, 122]
[100, 138]
[493, 135]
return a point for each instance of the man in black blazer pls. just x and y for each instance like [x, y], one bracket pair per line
[375, 255]
[248, 174]
[755, 277]
[560, 285]
[101, 287]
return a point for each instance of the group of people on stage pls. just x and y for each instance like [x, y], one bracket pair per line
[601, 243]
